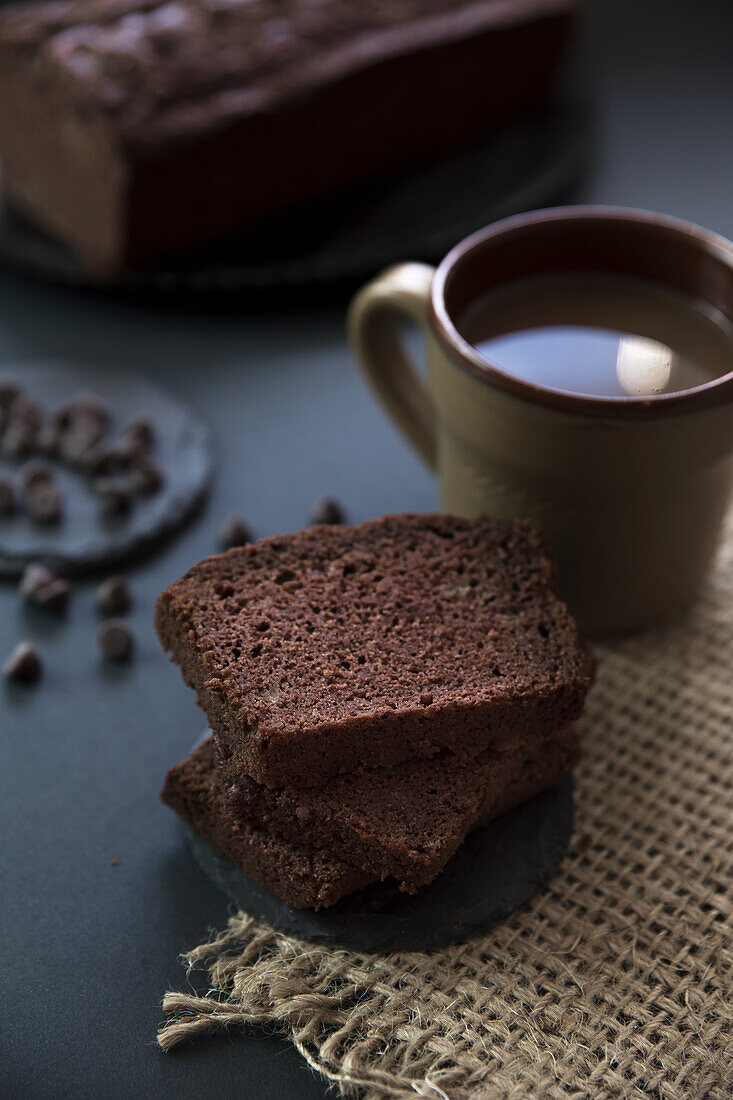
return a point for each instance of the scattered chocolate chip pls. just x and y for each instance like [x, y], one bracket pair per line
[35, 577]
[19, 438]
[48, 439]
[115, 639]
[114, 494]
[83, 406]
[55, 596]
[127, 452]
[99, 460]
[35, 473]
[114, 862]
[27, 411]
[43, 588]
[328, 511]
[93, 405]
[113, 597]
[7, 498]
[79, 437]
[234, 532]
[141, 433]
[426, 698]
[23, 664]
[9, 391]
[145, 477]
[44, 503]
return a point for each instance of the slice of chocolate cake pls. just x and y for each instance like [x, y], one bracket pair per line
[299, 875]
[311, 851]
[405, 821]
[342, 648]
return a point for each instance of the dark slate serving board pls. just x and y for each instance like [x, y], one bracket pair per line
[495, 871]
[84, 540]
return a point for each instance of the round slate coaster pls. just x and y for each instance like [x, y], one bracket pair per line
[418, 214]
[495, 871]
[84, 539]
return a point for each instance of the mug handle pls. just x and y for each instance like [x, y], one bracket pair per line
[373, 327]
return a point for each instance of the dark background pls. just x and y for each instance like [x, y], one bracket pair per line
[89, 948]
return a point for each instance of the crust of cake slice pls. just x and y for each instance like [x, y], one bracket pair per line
[313, 869]
[342, 648]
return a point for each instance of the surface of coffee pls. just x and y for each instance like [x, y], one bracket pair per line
[601, 335]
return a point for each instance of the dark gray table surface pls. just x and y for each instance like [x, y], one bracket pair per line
[89, 948]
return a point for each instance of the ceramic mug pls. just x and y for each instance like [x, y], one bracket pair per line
[631, 491]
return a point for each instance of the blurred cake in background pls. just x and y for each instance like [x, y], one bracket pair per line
[132, 130]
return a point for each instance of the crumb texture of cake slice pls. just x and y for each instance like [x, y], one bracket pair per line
[341, 648]
[301, 876]
[404, 831]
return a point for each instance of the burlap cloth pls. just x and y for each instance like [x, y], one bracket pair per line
[616, 981]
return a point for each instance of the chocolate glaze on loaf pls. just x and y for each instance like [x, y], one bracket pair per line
[310, 870]
[405, 821]
[343, 648]
[135, 128]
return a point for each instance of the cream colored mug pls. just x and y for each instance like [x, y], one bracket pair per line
[631, 491]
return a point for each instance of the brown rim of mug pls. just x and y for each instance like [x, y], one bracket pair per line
[709, 247]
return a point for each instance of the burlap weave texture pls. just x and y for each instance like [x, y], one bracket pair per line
[615, 982]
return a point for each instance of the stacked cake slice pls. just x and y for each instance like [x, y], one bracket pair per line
[374, 693]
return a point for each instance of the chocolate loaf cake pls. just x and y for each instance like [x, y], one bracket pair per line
[409, 829]
[133, 129]
[341, 648]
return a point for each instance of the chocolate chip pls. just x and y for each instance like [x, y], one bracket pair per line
[114, 495]
[19, 438]
[27, 411]
[145, 477]
[35, 473]
[7, 497]
[99, 460]
[81, 434]
[141, 433]
[48, 439]
[43, 588]
[23, 664]
[55, 596]
[83, 406]
[328, 511]
[128, 452]
[426, 698]
[44, 503]
[113, 597]
[35, 577]
[116, 640]
[9, 391]
[234, 532]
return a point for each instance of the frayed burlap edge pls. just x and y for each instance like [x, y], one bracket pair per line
[617, 981]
